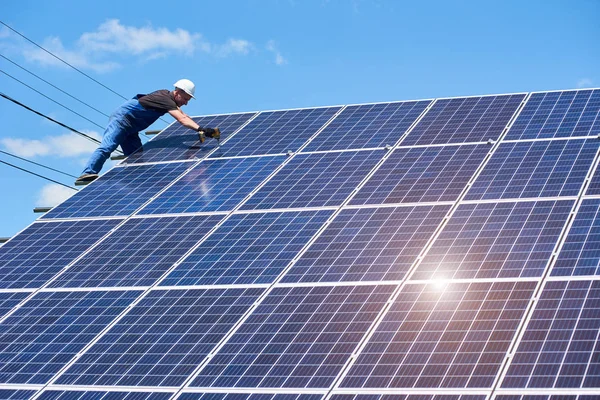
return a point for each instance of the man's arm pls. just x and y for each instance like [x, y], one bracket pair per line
[183, 119]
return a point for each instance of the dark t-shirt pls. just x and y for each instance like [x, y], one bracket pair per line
[161, 100]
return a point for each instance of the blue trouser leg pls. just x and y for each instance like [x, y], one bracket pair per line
[114, 134]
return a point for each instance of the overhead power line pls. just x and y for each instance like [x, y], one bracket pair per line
[51, 119]
[54, 86]
[60, 59]
[52, 100]
[38, 164]
[38, 175]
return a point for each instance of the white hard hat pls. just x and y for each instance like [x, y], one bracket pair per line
[186, 85]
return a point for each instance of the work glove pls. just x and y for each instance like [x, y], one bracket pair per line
[212, 133]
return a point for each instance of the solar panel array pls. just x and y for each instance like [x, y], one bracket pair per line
[444, 249]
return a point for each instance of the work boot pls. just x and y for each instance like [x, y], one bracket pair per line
[85, 179]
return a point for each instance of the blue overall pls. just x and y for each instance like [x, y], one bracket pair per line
[123, 127]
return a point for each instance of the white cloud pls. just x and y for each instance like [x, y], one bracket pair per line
[52, 195]
[234, 46]
[279, 59]
[113, 37]
[64, 146]
[584, 83]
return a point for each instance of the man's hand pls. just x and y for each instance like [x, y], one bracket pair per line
[210, 132]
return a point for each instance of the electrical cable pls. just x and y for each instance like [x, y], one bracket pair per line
[54, 101]
[51, 119]
[54, 86]
[39, 165]
[38, 175]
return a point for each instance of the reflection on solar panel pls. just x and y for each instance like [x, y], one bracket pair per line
[180, 143]
[44, 334]
[248, 248]
[442, 335]
[138, 253]
[43, 249]
[9, 300]
[16, 394]
[371, 125]
[467, 119]
[558, 114]
[580, 252]
[496, 240]
[297, 338]
[560, 346]
[152, 347]
[76, 395]
[422, 174]
[277, 132]
[535, 169]
[418, 250]
[120, 191]
[312, 180]
[368, 244]
[214, 185]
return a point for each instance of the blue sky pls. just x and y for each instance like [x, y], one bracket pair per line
[264, 55]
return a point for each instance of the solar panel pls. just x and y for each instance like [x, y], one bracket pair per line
[442, 335]
[466, 119]
[422, 174]
[277, 132]
[45, 333]
[162, 339]
[496, 240]
[535, 169]
[559, 348]
[558, 114]
[91, 395]
[579, 254]
[420, 250]
[368, 244]
[298, 337]
[180, 143]
[43, 249]
[138, 253]
[214, 185]
[317, 179]
[248, 248]
[370, 125]
[119, 192]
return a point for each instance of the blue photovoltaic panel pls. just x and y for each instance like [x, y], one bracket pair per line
[558, 114]
[79, 395]
[10, 299]
[594, 187]
[44, 334]
[312, 180]
[16, 394]
[547, 397]
[120, 191]
[214, 185]
[138, 253]
[248, 248]
[162, 339]
[36, 254]
[559, 348]
[580, 254]
[248, 396]
[442, 335]
[368, 244]
[422, 174]
[298, 337]
[275, 132]
[180, 143]
[466, 119]
[408, 397]
[369, 125]
[496, 240]
[535, 169]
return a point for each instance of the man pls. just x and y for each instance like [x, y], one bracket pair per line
[137, 114]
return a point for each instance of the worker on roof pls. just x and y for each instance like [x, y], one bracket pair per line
[138, 114]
